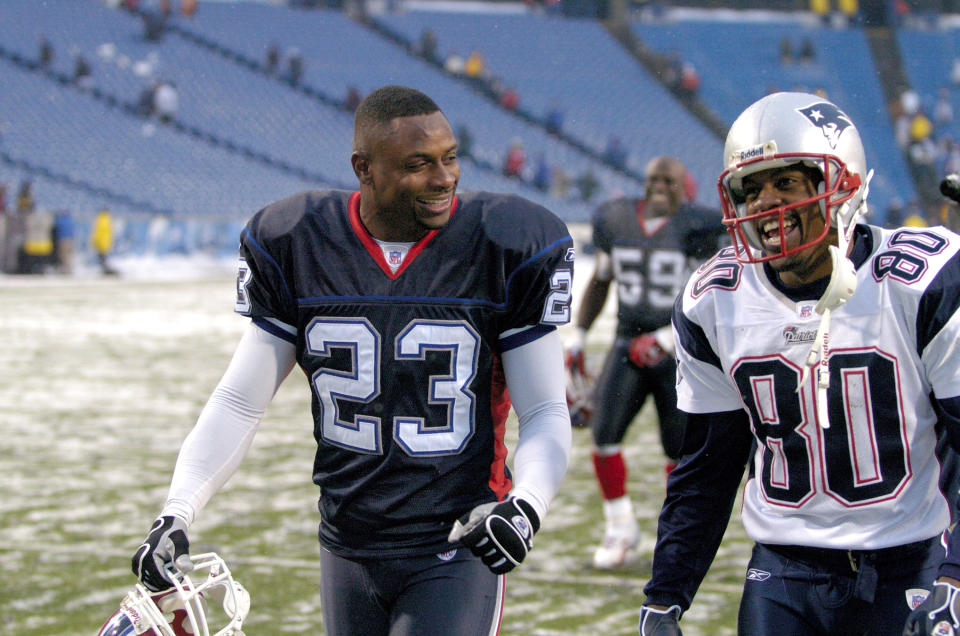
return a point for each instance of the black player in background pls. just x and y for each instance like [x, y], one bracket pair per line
[411, 310]
[649, 247]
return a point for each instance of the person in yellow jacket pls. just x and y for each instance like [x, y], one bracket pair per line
[101, 239]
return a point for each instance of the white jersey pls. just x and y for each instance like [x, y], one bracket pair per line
[868, 478]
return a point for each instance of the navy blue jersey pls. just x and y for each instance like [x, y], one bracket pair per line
[652, 257]
[408, 397]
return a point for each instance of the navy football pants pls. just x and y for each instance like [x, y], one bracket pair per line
[424, 595]
[789, 596]
[622, 388]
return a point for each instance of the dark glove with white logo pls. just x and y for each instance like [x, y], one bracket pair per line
[939, 614]
[500, 534]
[656, 622]
[167, 543]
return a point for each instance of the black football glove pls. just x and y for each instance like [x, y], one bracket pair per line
[654, 622]
[166, 544]
[500, 534]
[939, 614]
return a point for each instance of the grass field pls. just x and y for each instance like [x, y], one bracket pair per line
[102, 378]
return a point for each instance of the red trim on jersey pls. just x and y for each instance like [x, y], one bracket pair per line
[652, 226]
[353, 207]
[500, 483]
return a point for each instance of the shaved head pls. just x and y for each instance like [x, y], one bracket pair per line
[381, 107]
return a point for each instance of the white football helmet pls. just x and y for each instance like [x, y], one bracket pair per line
[185, 609]
[780, 130]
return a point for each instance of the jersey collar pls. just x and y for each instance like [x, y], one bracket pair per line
[373, 249]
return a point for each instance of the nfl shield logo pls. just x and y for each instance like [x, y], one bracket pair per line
[916, 596]
[394, 257]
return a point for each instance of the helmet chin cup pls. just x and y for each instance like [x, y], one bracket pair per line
[843, 281]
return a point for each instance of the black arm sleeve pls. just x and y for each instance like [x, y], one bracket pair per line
[700, 495]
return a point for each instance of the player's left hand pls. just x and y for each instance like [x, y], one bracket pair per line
[645, 351]
[939, 615]
[657, 622]
[500, 534]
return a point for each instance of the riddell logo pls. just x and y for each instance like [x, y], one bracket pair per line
[750, 153]
[753, 152]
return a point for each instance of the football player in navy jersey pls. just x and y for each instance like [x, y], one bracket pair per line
[649, 246]
[417, 315]
[820, 351]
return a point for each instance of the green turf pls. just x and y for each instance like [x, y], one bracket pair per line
[101, 381]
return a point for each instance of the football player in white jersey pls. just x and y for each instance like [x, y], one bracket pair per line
[822, 352]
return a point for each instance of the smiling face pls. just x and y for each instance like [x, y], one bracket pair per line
[408, 173]
[664, 186]
[780, 187]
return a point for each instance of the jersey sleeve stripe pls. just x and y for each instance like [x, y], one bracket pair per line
[938, 303]
[252, 242]
[273, 328]
[691, 336]
[518, 338]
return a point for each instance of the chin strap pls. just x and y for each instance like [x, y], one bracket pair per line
[843, 282]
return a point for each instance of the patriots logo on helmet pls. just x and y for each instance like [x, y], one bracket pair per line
[829, 119]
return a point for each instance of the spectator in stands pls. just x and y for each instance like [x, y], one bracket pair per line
[515, 159]
[475, 67]
[554, 119]
[943, 109]
[46, 53]
[454, 63]
[543, 173]
[25, 200]
[154, 25]
[951, 155]
[689, 80]
[101, 239]
[294, 66]
[427, 46]
[615, 152]
[4, 214]
[272, 59]
[352, 98]
[806, 54]
[145, 100]
[587, 184]
[37, 251]
[64, 232]
[955, 71]
[786, 50]
[509, 97]
[82, 75]
[464, 141]
[166, 101]
[896, 212]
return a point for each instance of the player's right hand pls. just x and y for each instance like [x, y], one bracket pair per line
[579, 382]
[573, 353]
[165, 544]
[645, 351]
[939, 614]
[657, 622]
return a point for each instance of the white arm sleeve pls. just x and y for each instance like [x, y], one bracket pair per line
[535, 379]
[213, 450]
